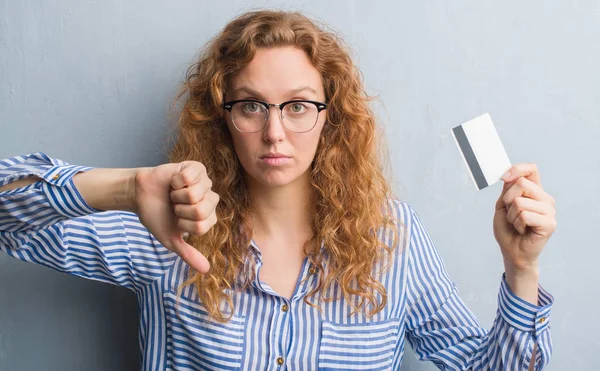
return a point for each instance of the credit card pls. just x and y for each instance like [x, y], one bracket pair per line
[482, 150]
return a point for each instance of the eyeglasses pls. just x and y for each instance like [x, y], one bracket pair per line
[251, 115]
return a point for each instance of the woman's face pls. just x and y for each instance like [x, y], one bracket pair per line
[276, 75]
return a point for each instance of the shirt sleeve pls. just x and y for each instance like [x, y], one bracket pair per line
[49, 223]
[443, 330]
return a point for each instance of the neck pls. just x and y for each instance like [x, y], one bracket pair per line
[282, 212]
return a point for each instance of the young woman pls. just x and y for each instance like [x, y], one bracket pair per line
[271, 240]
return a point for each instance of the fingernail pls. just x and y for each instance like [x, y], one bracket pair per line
[506, 176]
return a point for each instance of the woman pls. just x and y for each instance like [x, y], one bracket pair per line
[272, 239]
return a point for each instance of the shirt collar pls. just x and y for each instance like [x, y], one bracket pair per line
[255, 250]
[256, 254]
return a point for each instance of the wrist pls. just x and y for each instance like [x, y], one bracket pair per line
[121, 187]
[133, 182]
[529, 270]
[108, 189]
[130, 182]
[523, 282]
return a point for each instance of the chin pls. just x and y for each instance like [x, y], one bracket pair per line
[275, 179]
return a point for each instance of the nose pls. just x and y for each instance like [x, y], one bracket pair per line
[274, 130]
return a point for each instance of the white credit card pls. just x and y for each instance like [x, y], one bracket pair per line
[482, 150]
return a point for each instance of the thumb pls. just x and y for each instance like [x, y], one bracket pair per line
[500, 203]
[190, 255]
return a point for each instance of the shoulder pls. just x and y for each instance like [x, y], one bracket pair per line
[404, 218]
[402, 211]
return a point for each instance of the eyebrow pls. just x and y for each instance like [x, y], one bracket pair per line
[247, 90]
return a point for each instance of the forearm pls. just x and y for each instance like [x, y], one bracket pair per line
[533, 357]
[523, 283]
[19, 183]
[108, 189]
[49, 216]
[102, 189]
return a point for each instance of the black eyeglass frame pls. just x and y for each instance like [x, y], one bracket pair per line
[228, 106]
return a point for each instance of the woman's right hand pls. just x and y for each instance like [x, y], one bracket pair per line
[173, 199]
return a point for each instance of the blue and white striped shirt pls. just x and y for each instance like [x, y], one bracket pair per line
[49, 223]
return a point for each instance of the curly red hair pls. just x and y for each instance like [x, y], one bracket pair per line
[351, 194]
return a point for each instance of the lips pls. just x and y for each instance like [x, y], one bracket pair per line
[275, 159]
[274, 155]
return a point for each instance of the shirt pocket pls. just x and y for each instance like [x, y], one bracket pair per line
[195, 342]
[365, 346]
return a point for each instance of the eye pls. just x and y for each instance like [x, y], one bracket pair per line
[251, 107]
[297, 107]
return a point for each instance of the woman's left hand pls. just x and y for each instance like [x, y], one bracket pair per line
[524, 219]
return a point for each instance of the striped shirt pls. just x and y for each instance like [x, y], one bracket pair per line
[49, 223]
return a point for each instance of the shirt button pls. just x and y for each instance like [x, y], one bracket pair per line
[280, 361]
[542, 320]
[312, 271]
[56, 177]
[285, 308]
